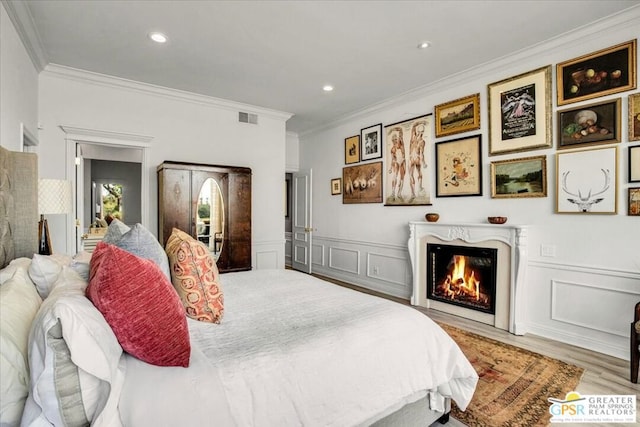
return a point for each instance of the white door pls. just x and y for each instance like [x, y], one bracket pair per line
[301, 228]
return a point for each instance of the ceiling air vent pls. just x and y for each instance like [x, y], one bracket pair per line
[248, 118]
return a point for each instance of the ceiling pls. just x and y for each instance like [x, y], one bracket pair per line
[279, 54]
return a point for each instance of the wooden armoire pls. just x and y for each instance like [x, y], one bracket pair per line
[179, 200]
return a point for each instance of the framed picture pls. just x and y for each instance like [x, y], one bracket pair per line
[352, 149]
[525, 177]
[405, 155]
[589, 125]
[634, 164]
[362, 183]
[459, 167]
[336, 186]
[520, 112]
[586, 181]
[634, 202]
[371, 140]
[458, 116]
[634, 117]
[600, 73]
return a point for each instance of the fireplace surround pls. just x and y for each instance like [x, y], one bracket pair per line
[510, 243]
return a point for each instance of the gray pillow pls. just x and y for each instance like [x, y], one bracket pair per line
[116, 230]
[140, 242]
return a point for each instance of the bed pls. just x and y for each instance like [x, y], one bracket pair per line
[290, 350]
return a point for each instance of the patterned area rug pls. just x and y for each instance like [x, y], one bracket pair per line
[514, 383]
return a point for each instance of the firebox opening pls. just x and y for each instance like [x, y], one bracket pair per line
[462, 275]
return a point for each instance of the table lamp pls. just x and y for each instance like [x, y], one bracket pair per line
[54, 197]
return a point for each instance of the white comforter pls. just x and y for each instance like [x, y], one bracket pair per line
[293, 350]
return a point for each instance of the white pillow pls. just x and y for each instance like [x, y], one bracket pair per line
[45, 269]
[8, 272]
[72, 347]
[19, 303]
[81, 263]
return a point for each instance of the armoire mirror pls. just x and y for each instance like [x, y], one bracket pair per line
[210, 216]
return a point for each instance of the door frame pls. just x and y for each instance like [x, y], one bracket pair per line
[73, 137]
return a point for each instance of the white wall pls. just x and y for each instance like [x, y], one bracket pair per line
[18, 86]
[584, 295]
[184, 127]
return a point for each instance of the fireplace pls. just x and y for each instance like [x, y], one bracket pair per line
[498, 252]
[462, 275]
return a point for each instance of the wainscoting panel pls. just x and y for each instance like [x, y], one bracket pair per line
[592, 298]
[346, 260]
[268, 254]
[382, 268]
[586, 306]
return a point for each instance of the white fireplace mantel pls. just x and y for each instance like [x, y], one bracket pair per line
[514, 236]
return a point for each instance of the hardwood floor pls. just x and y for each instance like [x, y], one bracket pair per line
[604, 375]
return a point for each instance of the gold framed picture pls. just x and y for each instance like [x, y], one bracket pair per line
[524, 177]
[634, 117]
[460, 115]
[352, 149]
[336, 186]
[520, 112]
[591, 124]
[600, 73]
[459, 167]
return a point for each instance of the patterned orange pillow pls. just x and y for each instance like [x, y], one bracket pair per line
[195, 276]
[138, 302]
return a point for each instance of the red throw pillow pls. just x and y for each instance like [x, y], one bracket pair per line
[141, 306]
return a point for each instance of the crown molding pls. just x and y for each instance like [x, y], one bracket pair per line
[83, 76]
[587, 35]
[96, 135]
[22, 20]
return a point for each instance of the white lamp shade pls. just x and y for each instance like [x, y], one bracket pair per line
[54, 196]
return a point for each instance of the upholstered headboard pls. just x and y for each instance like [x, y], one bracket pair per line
[18, 205]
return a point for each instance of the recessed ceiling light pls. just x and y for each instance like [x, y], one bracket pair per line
[327, 88]
[158, 37]
[423, 45]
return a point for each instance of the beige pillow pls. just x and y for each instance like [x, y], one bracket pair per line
[19, 303]
[195, 276]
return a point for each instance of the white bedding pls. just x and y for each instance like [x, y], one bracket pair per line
[294, 350]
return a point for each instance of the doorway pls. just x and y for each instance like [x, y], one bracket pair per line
[122, 158]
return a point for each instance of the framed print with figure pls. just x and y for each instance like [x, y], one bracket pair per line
[371, 141]
[586, 181]
[459, 167]
[520, 112]
[405, 157]
[352, 149]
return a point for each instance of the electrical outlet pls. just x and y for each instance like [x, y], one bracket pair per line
[375, 270]
[548, 250]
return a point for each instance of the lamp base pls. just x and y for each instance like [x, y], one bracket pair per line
[44, 239]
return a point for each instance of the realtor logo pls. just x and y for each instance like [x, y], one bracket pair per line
[576, 408]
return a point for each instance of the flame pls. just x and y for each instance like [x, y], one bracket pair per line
[461, 280]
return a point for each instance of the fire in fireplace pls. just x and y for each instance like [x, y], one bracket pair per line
[462, 275]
